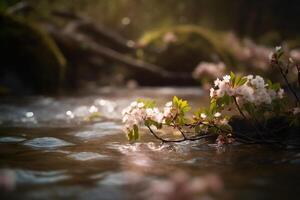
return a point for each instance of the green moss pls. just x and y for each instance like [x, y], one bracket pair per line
[270, 39]
[30, 53]
[192, 44]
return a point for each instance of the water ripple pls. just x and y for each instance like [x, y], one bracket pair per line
[46, 142]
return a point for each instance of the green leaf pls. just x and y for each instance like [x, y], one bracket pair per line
[276, 86]
[147, 102]
[133, 135]
[175, 101]
[182, 105]
[213, 107]
[232, 75]
[130, 135]
[242, 81]
[226, 128]
[136, 134]
[270, 84]
[237, 80]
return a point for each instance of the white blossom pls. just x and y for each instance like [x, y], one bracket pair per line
[140, 105]
[217, 114]
[137, 113]
[154, 114]
[280, 93]
[134, 104]
[169, 104]
[203, 116]
[93, 109]
[217, 82]
[133, 115]
[226, 78]
[212, 92]
[278, 48]
[220, 93]
[254, 90]
[249, 77]
[258, 82]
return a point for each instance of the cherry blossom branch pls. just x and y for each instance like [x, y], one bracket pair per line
[279, 67]
[238, 136]
[209, 125]
[207, 122]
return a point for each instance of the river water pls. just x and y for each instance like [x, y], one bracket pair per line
[48, 150]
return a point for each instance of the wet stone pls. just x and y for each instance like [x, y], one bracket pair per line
[94, 134]
[85, 156]
[47, 142]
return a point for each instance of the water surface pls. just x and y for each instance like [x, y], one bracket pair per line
[48, 150]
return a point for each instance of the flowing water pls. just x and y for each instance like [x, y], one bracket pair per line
[48, 150]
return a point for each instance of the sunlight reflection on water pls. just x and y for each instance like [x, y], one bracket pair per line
[61, 155]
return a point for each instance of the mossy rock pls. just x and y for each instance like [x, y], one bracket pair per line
[30, 54]
[277, 130]
[188, 46]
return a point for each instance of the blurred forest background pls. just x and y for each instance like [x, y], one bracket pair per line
[47, 46]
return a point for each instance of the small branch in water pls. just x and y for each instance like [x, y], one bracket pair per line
[179, 140]
[240, 137]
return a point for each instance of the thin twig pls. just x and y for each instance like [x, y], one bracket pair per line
[239, 109]
[182, 133]
[244, 116]
[287, 82]
[298, 70]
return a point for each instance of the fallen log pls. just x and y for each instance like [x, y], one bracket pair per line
[79, 42]
[97, 32]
